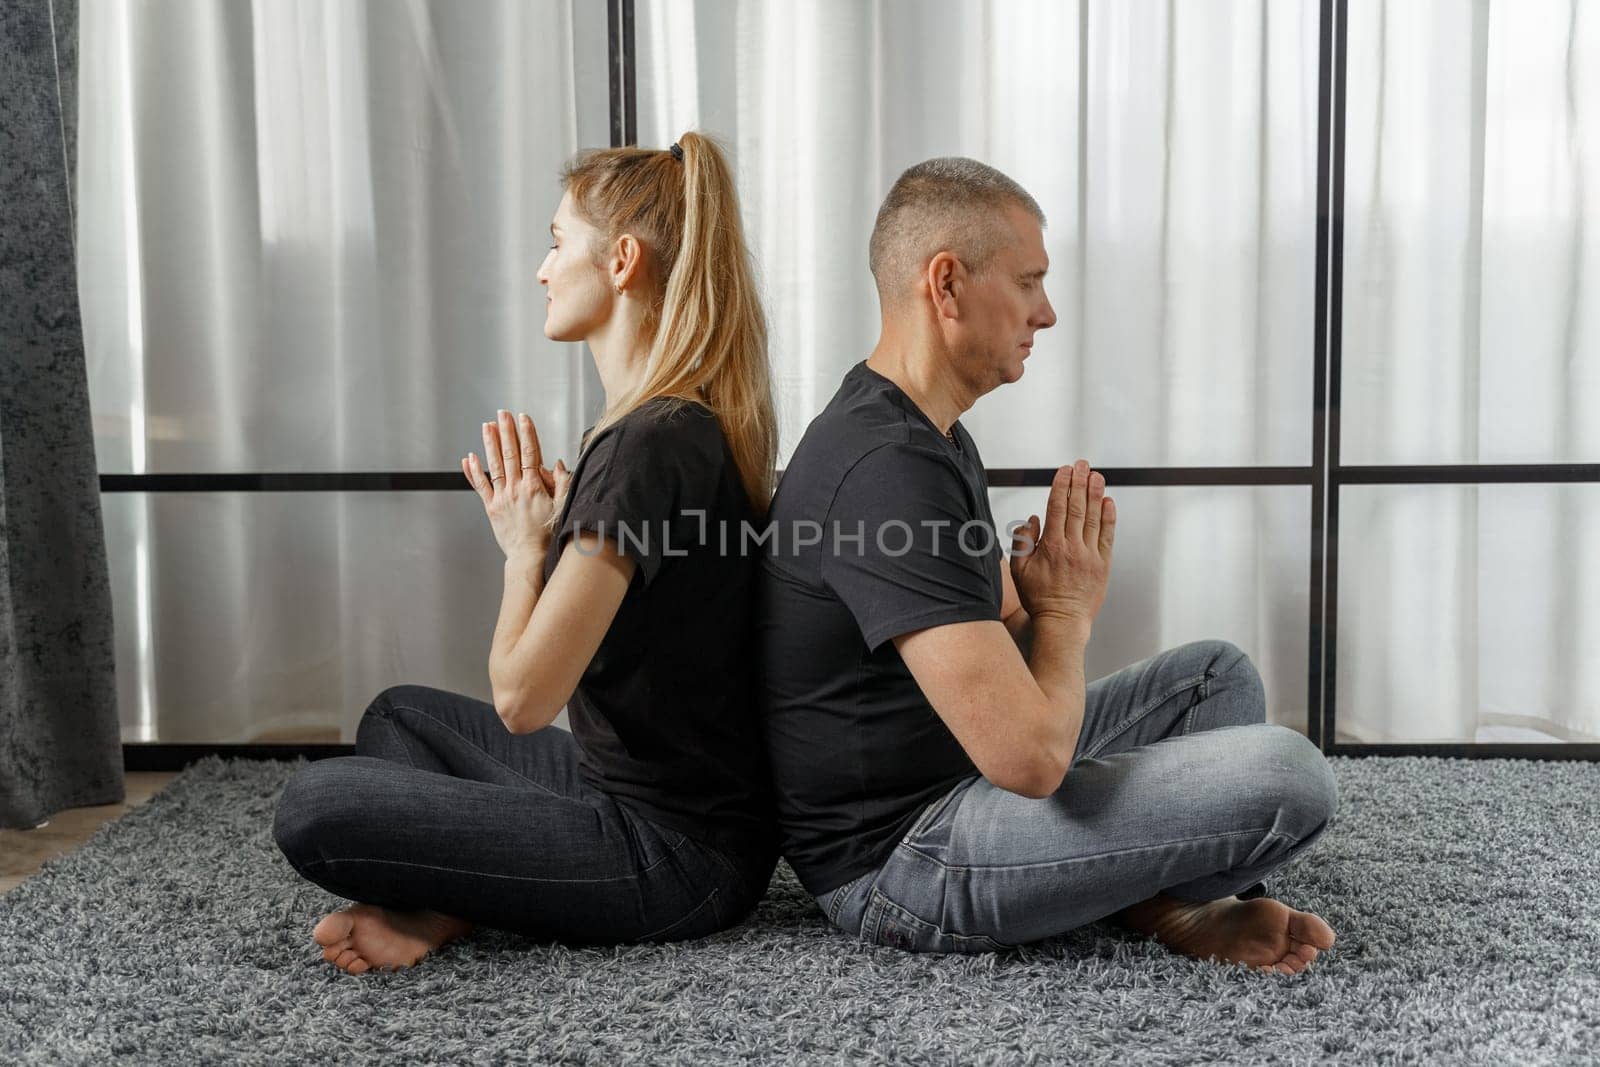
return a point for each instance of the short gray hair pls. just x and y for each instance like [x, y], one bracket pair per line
[951, 203]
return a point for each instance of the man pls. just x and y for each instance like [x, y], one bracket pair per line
[945, 779]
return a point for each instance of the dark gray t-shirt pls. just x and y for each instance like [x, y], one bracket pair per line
[902, 523]
[664, 714]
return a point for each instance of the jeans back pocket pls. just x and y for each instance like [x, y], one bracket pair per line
[887, 923]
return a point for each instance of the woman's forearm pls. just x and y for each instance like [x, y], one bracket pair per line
[539, 668]
[524, 581]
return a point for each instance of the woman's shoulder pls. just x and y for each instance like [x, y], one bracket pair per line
[665, 438]
[670, 421]
[654, 420]
[671, 410]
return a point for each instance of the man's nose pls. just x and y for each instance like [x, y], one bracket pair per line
[1048, 318]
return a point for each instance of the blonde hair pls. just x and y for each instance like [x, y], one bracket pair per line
[708, 331]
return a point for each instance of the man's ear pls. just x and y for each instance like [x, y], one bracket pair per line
[947, 280]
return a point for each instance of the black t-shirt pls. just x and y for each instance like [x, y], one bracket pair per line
[665, 715]
[855, 748]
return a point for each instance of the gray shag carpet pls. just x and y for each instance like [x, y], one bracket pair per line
[1463, 892]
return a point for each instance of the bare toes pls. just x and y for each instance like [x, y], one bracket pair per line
[1311, 929]
[334, 928]
[1287, 965]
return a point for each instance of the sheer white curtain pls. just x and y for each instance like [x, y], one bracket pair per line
[1173, 150]
[308, 234]
[1173, 147]
[308, 239]
[1472, 271]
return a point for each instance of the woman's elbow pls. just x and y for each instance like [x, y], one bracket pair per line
[525, 717]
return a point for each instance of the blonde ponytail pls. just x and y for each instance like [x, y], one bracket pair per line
[709, 332]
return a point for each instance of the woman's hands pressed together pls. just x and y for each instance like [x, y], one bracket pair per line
[518, 491]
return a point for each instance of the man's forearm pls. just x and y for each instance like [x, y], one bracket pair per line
[524, 581]
[1020, 625]
[1056, 662]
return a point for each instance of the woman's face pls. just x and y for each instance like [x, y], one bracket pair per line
[578, 295]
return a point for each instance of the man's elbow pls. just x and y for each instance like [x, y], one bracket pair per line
[1046, 767]
[1055, 773]
[1036, 776]
[1043, 780]
[1034, 763]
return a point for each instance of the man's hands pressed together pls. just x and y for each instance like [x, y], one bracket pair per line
[1061, 570]
[1018, 718]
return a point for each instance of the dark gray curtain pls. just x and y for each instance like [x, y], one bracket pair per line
[59, 741]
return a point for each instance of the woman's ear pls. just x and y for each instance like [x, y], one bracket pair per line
[627, 257]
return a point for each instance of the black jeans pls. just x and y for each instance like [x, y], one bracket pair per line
[443, 808]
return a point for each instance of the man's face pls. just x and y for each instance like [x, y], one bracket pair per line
[578, 297]
[1004, 307]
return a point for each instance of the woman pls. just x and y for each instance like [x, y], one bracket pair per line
[652, 819]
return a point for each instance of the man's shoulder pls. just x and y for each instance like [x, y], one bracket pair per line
[860, 448]
[830, 452]
[845, 435]
[857, 424]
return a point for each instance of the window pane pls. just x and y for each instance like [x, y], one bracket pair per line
[1198, 563]
[1175, 162]
[1465, 610]
[1471, 278]
[331, 266]
[244, 616]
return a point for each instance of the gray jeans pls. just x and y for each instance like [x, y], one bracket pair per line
[1178, 786]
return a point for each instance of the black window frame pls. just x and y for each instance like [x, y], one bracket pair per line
[1324, 477]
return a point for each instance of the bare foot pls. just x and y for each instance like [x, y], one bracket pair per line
[1267, 934]
[366, 937]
